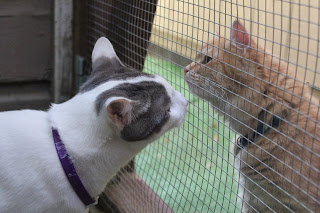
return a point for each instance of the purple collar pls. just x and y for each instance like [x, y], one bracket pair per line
[70, 171]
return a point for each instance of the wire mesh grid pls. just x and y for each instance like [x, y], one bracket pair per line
[250, 70]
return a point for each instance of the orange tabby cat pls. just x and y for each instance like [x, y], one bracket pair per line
[272, 109]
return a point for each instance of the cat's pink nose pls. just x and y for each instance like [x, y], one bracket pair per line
[185, 71]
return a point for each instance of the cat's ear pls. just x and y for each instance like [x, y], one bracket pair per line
[239, 36]
[120, 111]
[103, 49]
[123, 111]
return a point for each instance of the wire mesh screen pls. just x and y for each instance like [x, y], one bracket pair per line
[250, 141]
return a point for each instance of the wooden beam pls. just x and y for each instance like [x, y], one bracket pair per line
[131, 29]
[132, 194]
[63, 53]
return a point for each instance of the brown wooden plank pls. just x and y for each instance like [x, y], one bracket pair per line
[26, 54]
[80, 27]
[25, 48]
[132, 194]
[25, 8]
[63, 87]
[25, 95]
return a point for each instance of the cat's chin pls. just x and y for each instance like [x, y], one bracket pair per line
[198, 91]
[202, 92]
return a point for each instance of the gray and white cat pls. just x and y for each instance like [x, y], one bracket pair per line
[117, 112]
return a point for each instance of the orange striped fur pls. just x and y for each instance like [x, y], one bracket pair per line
[280, 171]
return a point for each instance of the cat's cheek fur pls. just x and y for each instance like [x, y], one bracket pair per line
[196, 86]
[178, 110]
[193, 86]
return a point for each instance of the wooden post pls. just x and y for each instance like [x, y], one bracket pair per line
[131, 30]
[63, 51]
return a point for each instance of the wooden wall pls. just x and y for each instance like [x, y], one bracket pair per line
[26, 53]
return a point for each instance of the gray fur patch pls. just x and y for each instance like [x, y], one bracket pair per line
[151, 111]
[105, 69]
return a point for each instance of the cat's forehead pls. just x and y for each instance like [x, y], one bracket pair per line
[220, 43]
[138, 91]
[213, 47]
[110, 70]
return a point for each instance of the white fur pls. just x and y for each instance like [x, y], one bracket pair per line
[32, 179]
[103, 48]
[31, 176]
[237, 165]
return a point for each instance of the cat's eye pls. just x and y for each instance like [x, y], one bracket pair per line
[206, 59]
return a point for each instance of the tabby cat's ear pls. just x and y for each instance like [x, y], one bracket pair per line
[103, 49]
[239, 36]
[120, 111]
